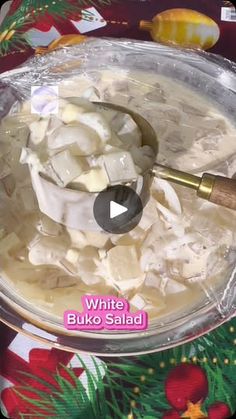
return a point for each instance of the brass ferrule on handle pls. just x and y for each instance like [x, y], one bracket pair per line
[203, 186]
[216, 189]
[206, 186]
[176, 176]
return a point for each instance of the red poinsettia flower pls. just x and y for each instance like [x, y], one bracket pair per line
[186, 388]
[44, 365]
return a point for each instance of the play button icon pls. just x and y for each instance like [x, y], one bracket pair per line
[118, 209]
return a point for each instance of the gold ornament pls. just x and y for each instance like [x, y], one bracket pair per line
[184, 27]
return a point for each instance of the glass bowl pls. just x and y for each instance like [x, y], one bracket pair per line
[208, 75]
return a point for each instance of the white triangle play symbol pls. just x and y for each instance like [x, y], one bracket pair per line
[116, 209]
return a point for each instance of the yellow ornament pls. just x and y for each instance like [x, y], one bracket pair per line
[184, 27]
[194, 411]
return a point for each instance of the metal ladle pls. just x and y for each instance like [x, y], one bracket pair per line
[74, 208]
[216, 189]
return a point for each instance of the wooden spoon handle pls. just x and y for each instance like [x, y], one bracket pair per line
[223, 191]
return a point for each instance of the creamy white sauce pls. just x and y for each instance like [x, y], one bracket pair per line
[182, 244]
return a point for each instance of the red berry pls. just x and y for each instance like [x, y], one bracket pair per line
[219, 410]
[171, 414]
[186, 382]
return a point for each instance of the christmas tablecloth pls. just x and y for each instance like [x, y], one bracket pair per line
[194, 381]
[197, 380]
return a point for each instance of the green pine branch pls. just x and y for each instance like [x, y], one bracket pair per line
[71, 401]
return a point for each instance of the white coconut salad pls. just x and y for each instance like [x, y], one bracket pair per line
[182, 246]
